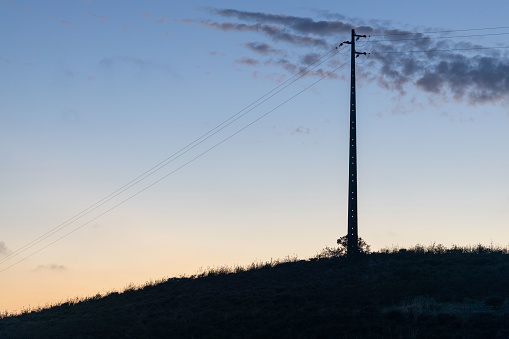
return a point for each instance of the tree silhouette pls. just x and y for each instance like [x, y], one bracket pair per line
[364, 248]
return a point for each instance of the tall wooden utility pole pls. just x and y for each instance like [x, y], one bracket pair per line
[353, 234]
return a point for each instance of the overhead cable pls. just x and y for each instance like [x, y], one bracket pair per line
[319, 61]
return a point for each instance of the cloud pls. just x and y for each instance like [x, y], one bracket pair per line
[146, 15]
[97, 16]
[276, 33]
[301, 130]
[294, 68]
[297, 24]
[70, 116]
[477, 78]
[3, 249]
[161, 20]
[248, 61]
[129, 66]
[263, 48]
[66, 23]
[50, 267]
[469, 72]
[24, 10]
[119, 62]
[309, 59]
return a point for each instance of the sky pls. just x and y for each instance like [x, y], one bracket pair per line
[143, 140]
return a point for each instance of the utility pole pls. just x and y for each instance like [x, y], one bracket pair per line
[353, 234]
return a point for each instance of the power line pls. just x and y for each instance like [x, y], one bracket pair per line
[178, 154]
[444, 37]
[446, 31]
[180, 167]
[440, 50]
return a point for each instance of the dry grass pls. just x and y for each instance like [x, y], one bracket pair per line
[420, 292]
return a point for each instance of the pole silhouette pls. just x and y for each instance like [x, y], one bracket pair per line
[353, 233]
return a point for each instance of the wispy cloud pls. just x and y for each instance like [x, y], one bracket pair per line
[470, 76]
[309, 59]
[276, 33]
[100, 17]
[399, 58]
[301, 130]
[248, 61]
[263, 48]
[296, 24]
[3, 249]
[161, 20]
[125, 65]
[50, 268]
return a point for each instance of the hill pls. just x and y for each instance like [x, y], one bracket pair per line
[416, 293]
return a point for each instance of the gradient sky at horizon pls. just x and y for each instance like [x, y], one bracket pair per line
[95, 93]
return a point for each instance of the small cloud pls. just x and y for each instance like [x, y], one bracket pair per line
[310, 59]
[50, 267]
[147, 15]
[66, 23]
[301, 130]
[24, 10]
[279, 78]
[215, 53]
[91, 78]
[100, 17]
[7, 61]
[28, 63]
[161, 20]
[3, 249]
[70, 116]
[248, 61]
[125, 28]
[169, 35]
[186, 21]
[124, 65]
[262, 48]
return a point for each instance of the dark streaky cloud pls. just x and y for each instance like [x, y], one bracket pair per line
[309, 59]
[248, 61]
[276, 33]
[298, 24]
[263, 48]
[396, 61]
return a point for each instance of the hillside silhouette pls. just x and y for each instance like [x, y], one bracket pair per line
[420, 292]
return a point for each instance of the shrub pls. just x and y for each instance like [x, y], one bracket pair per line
[364, 248]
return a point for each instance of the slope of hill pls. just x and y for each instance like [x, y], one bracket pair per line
[405, 294]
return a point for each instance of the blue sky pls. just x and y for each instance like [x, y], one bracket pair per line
[95, 93]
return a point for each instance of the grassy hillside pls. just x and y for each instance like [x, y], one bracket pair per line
[417, 293]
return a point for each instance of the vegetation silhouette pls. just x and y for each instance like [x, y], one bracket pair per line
[419, 292]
